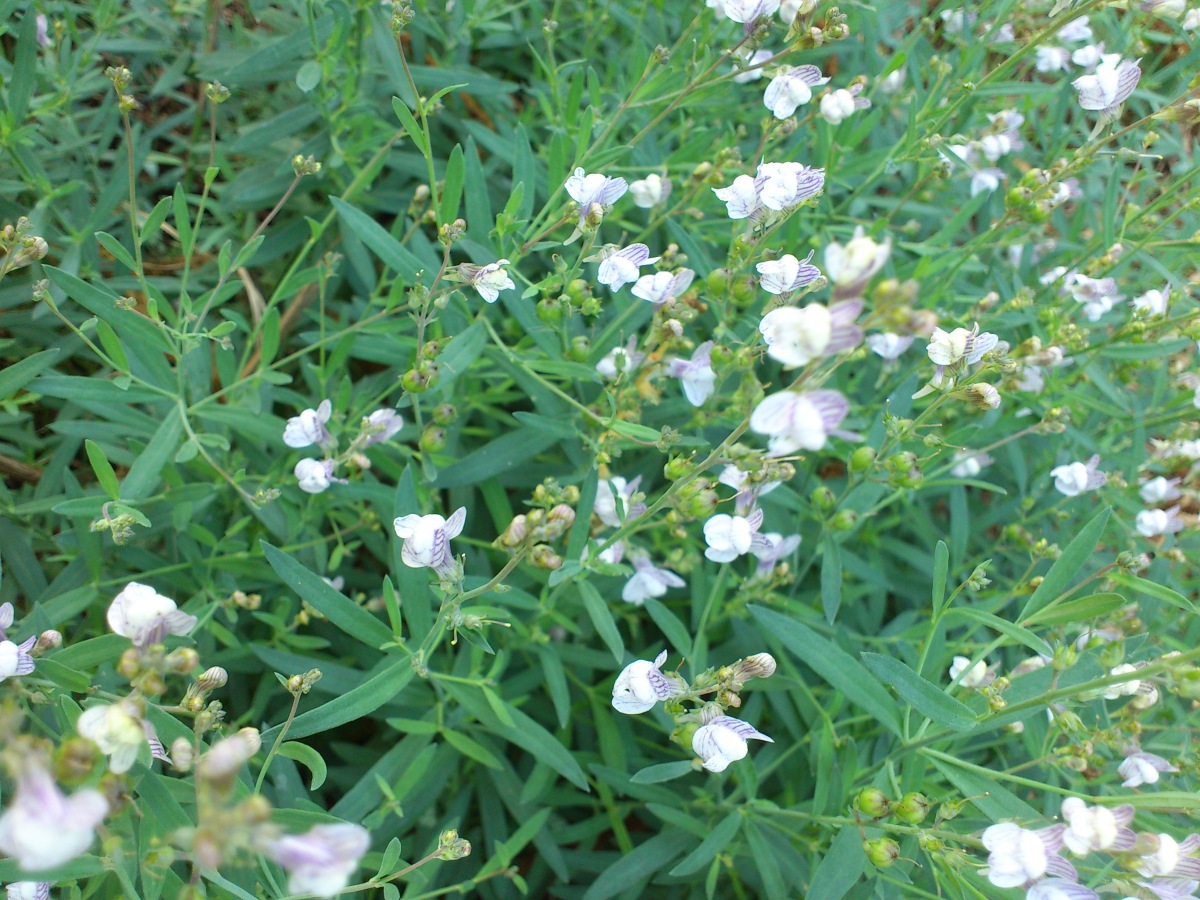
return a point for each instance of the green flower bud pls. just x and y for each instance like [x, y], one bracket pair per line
[433, 439]
[882, 852]
[580, 347]
[912, 808]
[823, 498]
[844, 520]
[872, 802]
[677, 467]
[862, 459]
[550, 309]
[717, 281]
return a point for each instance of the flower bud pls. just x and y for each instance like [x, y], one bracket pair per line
[130, 663]
[882, 852]
[514, 535]
[872, 802]
[912, 808]
[982, 395]
[862, 459]
[444, 413]
[48, 640]
[225, 758]
[433, 439]
[182, 754]
[451, 846]
[844, 520]
[544, 557]
[677, 467]
[75, 760]
[182, 660]
[760, 665]
[823, 498]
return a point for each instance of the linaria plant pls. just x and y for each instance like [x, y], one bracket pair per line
[673, 449]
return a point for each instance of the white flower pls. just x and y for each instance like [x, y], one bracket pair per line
[779, 547]
[116, 730]
[308, 428]
[799, 421]
[29, 890]
[740, 198]
[696, 374]
[839, 105]
[225, 758]
[1140, 768]
[960, 345]
[889, 346]
[1060, 889]
[1096, 294]
[594, 190]
[956, 20]
[1160, 490]
[1091, 828]
[789, 9]
[1153, 522]
[15, 658]
[648, 581]
[1160, 855]
[321, 860]
[729, 537]
[1088, 56]
[782, 186]
[619, 267]
[1076, 30]
[1076, 478]
[315, 475]
[795, 337]
[787, 274]
[381, 425]
[988, 180]
[650, 191]
[1191, 21]
[751, 69]
[849, 267]
[620, 359]
[1124, 688]
[1166, 9]
[1052, 59]
[973, 676]
[145, 616]
[735, 478]
[487, 280]
[1018, 856]
[790, 88]
[605, 505]
[1153, 302]
[641, 684]
[663, 286]
[746, 11]
[42, 827]
[1110, 85]
[893, 81]
[969, 465]
[723, 740]
[427, 539]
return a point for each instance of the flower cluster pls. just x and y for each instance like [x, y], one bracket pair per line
[309, 428]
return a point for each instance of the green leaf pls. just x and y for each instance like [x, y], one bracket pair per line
[1079, 610]
[307, 757]
[401, 261]
[480, 218]
[921, 695]
[146, 472]
[831, 578]
[670, 625]
[832, 663]
[636, 868]
[941, 569]
[661, 772]
[471, 749]
[64, 677]
[452, 186]
[354, 704]
[718, 839]
[409, 122]
[23, 69]
[602, 618]
[19, 374]
[506, 851]
[840, 868]
[103, 469]
[765, 862]
[1066, 567]
[339, 609]
[1152, 589]
[1016, 632]
[506, 453]
[117, 249]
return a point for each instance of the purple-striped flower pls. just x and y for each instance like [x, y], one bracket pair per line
[790, 88]
[1091, 828]
[1018, 857]
[316, 475]
[779, 547]
[1109, 85]
[1161, 856]
[28, 890]
[787, 274]
[594, 190]
[695, 374]
[663, 286]
[729, 537]
[648, 581]
[1140, 768]
[800, 421]
[145, 616]
[619, 267]
[1076, 478]
[1154, 522]
[795, 337]
[380, 426]
[724, 740]
[427, 539]
[607, 493]
[44, 828]
[1060, 889]
[641, 684]
[748, 11]
[308, 428]
[321, 860]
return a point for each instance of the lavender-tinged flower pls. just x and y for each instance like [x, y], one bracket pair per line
[1091, 828]
[43, 30]
[1076, 478]
[1050, 59]
[1191, 20]
[6, 619]
[968, 464]
[1171, 888]
[1140, 768]
[42, 827]
[620, 359]
[145, 616]
[1154, 522]
[1153, 302]
[308, 428]
[780, 546]
[748, 11]
[740, 198]
[986, 180]
[594, 190]
[648, 581]
[427, 539]
[15, 658]
[663, 286]
[1160, 490]
[787, 274]
[650, 191]
[487, 280]
[800, 421]
[224, 759]
[747, 495]
[889, 346]
[784, 186]
[1088, 56]
[322, 860]
[381, 425]
[28, 890]
[789, 9]
[1076, 30]
[751, 68]
[960, 346]
[641, 684]
[619, 267]
[724, 740]
[850, 266]
[790, 88]
[1164, 9]
[316, 475]
[1160, 856]
[695, 374]
[839, 105]
[1098, 295]
[795, 337]
[1060, 889]
[1018, 856]
[1110, 85]
[1123, 688]
[605, 505]
[117, 730]
[729, 537]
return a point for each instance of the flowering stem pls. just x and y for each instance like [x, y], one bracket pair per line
[262, 773]
[495, 580]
